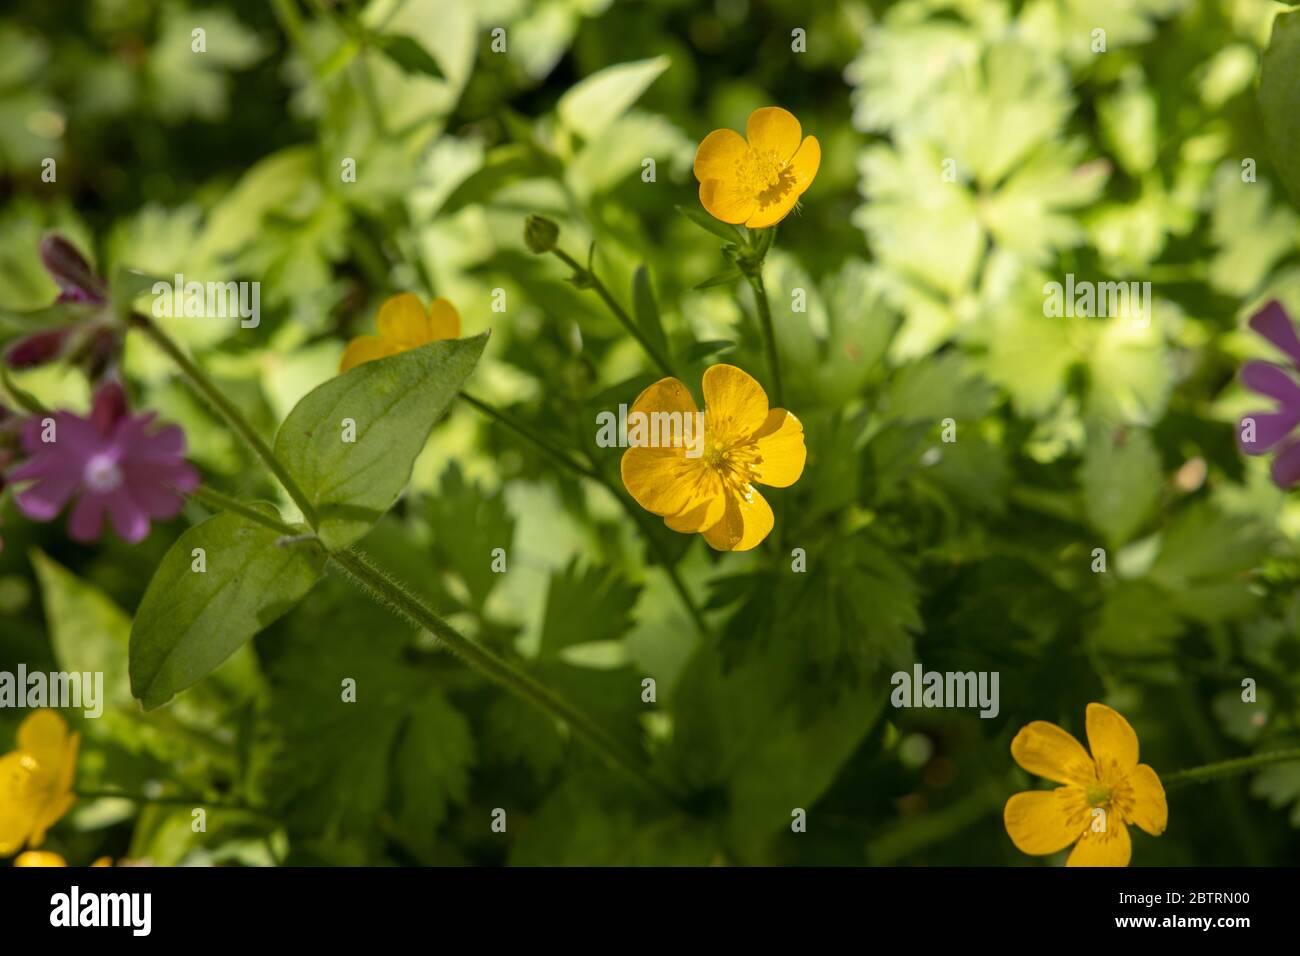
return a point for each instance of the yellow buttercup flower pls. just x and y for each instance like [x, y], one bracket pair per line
[39, 858]
[45, 858]
[403, 323]
[1040, 822]
[36, 781]
[705, 484]
[757, 180]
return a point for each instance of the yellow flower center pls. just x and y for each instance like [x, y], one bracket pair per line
[1098, 795]
[1110, 790]
[733, 457]
[761, 173]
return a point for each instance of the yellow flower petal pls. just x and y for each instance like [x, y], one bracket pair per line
[444, 320]
[1109, 848]
[718, 154]
[49, 814]
[780, 442]
[804, 164]
[1110, 737]
[1150, 810]
[746, 522]
[775, 129]
[103, 861]
[403, 322]
[769, 213]
[734, 401]
[663, 480]
[665, 395]
[1048, 751]
[364, 348]
[1040, 822]
[706, 513]
[725, 200]
[19, 805]
[39, 858]
[43, 736]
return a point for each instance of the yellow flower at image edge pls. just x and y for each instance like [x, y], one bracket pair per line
[403, 323]
[745, 443]
[756, 180]
[43, 858]
[36, 781]
[1040, 822]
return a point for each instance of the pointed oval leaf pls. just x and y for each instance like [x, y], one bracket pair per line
[387, 407]
[191, 620]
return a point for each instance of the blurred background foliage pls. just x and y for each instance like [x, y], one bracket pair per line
[924, 302]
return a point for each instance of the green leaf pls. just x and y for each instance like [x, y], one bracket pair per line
[432, 765]
[127, 286]
[592, 104]
[722, 278]
[585, 605]
[410, 56]
[468, 523]
[1121, 481]
[702, 350]
[647, 310]
[598, 820]
[757, 734]
[88, 632]
[13, 322]
[336, 754]
[393, 403]
[190, 621]
[1279, 89]
[706, 222]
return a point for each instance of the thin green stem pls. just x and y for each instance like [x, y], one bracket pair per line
[755, 278]
[590, 279]
[371, 96]
[592, 474]
[183, 801]
[1227, 768]
[503, 419]
[226, 409]
[411, 608]
[291, 23]
[665, 561]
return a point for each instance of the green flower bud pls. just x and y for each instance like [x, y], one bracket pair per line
[540, 234]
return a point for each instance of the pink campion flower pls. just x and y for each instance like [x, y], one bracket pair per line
[1261, 432]
[110, 462]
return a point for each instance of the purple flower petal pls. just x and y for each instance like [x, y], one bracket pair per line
[1273, 323]
[129, 520]
[110, 462]
[1286, 466]
[1271, 428]
[87, 519]
[47, 497]
[109, 408]
[37, 348]
[70, 271]
[1271, 380]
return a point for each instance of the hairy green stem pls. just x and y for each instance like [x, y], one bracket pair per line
[1227, 768]
[412, 609]
[226, 409]
[591, 279]
[755, 278]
